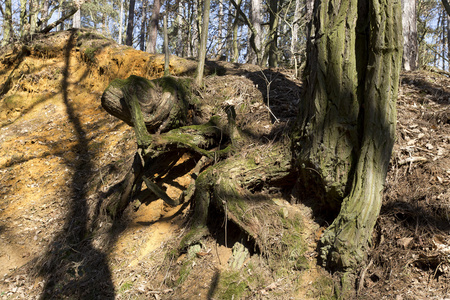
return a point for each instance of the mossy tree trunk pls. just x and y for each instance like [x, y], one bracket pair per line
[347, 122]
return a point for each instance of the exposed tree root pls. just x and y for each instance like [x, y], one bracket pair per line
[223, 187]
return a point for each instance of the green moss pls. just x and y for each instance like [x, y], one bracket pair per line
[12, 101]
[125, 286]
[185, 270]
[231, 286]
[90, 53]
[192, 237]
[322, 288]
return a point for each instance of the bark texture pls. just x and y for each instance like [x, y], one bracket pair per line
[348, 119]
[163, 102]
[203, 41]
[410, 43]
[130, 25]
[153, 27]
[7, 23]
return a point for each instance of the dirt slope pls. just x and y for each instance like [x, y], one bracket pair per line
[61, 156]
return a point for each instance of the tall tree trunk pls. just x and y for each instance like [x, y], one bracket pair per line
[44, 14]
[229, 36]
[130, 26]
[257, 24]
[448, 43]
[60, 15]
[309, 7]
[166, 48]
[121, 22]
[153, 28]
[410, 44]
[180, 45]
[444, 42]
[143, 25]
[294, 35]
[7, 23]
[24, 26]
[198, 19]
[190, 42]
[220, 42]
[203, 41]
[436, 58]
[33, 11]
[235, 56]
[273, 33]
[347, 122]
[76, 19]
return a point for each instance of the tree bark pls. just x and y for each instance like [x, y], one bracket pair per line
[203, 41]
[44, 14]
[33, 11]
[220, 42]
[273, 33]
[24, 30]
[130, 26]
[7, 23]
[166, 48]
[163, 102]
[446, 6]
[410, 43]
[121, 22]
[143, 25]
[257, 22]
[347, 122]
[294, 34]
[235, 56]
[180, 44]
[76, 20]
[153, 28]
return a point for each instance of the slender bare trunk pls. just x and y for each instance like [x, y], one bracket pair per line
[203, 41]
[294, 35]
[7, 23]
[257, 24]
[130, 26]
[273, 33]
[24, 26]
[153, 28]
[410, 44]
[220, 42]
[235, 56]
[143, 25]
[180, 45]
[121, 22]
[166, 48]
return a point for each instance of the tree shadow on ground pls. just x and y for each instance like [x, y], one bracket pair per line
[72, 266]
[281, 95]
[440, 94]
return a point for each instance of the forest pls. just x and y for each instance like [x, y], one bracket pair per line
[240, 31]
[242, 149]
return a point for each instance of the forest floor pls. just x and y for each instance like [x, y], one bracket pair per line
[62, 156]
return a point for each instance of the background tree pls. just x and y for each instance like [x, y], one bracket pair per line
[203, 41]
[130, 26]
[409, 25]
[273, 33]
[120, 22]
[143, 31]
[153, 28]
